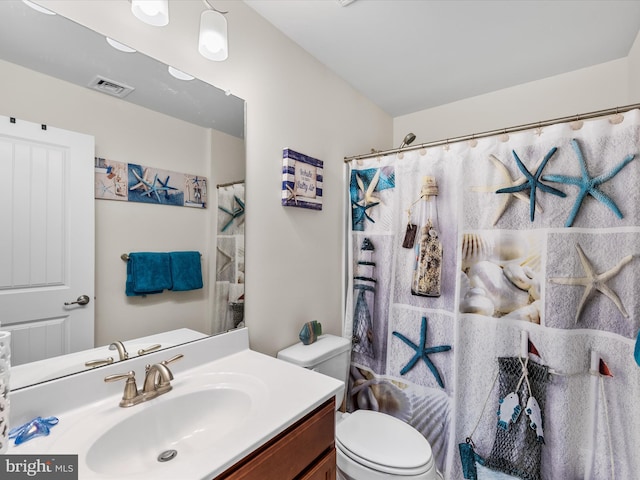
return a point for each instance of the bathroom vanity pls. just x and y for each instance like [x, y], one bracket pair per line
[232, 414]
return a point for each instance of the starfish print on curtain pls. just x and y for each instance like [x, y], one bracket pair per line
[236, 213]
[508, 181]
[594, 282]
[423, 352]
[532, 182]
[589, 185]
[361, 189]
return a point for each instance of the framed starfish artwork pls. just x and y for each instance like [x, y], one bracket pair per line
[131, 182]
[301, 180]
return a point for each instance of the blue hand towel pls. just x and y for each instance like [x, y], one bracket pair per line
[186, 271]
[148, 272]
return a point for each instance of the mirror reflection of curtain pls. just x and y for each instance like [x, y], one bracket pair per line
[229, 301]
[540, 232]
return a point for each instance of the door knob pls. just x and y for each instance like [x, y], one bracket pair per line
[82, 300]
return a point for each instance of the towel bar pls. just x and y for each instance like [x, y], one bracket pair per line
[125, 257]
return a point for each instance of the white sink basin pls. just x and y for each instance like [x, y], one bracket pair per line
[198, 416]
[181, 426]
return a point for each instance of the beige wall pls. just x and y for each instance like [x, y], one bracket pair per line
[595, 88]
[294, 261]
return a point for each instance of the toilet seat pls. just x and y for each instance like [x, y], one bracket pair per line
[384, 444]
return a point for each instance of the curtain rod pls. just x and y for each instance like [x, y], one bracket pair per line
[228, 184]
[491, 133]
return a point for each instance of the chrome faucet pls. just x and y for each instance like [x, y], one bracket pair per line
[157, 381]
[122, 352]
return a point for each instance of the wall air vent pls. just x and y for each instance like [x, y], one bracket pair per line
[110, 87]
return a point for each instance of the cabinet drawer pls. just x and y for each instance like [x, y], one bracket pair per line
[292, 452]
[324, 469]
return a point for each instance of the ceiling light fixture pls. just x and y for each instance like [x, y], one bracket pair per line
[152, 12]
[120, 46]
[179, 74]
[212, 42]
[38, 8]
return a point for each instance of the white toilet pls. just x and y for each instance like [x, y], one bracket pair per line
[370, 445]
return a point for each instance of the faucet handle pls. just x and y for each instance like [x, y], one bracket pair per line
[131, 396]
[172, 359]
[99, 362]
[150, 349]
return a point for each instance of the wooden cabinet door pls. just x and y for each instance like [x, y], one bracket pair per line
[294, 453]
[324, 469]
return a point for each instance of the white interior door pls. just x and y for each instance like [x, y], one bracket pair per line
[46, 239]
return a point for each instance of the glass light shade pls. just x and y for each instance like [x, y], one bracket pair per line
[179, 74]
[153, 12]
[119, 46]
[212, 43]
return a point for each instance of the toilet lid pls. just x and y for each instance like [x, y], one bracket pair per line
[384, 443]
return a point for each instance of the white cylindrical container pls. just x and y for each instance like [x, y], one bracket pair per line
[5, 365]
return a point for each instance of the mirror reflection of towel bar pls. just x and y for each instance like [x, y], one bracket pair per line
[125, 257]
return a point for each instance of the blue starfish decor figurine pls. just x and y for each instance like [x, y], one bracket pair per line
[423, 352]
[532, 182]
[589, 185]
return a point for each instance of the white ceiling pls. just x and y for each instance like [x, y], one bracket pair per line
[410, 55]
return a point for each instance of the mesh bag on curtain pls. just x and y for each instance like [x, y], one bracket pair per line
[518, 448]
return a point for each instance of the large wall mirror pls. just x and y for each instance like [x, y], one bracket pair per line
[55, 47]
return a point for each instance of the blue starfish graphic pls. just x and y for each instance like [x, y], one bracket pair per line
[532, 182]
[360, 212]
[152, 187]
[105, 189]
[422, 352]
[165, 186]
[589, 185]
[368, 181]
[236, 213]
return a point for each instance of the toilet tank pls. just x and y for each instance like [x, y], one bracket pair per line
[329, 355]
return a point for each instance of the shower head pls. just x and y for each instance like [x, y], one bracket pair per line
[408, 140]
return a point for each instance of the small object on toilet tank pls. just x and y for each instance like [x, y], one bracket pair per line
[310, 332]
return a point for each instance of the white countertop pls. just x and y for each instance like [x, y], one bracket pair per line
[286, 394]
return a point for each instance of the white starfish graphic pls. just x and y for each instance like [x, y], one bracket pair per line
[292, 195]
[595, 282]
[508, 182]
[143, 182]
[368, 198]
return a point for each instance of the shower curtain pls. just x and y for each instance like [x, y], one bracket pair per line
[229, 291]
[523, 366]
